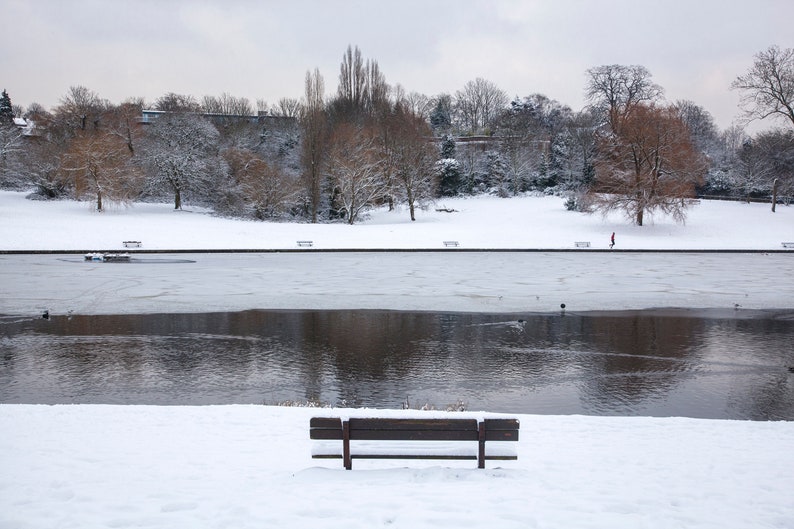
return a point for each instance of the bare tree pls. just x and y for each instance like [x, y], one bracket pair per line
[172, 102]
[98, 163]
[352, 81]
[80, 108]
[700, 124]
[268, 191]
[362, 90]
[122, 120]
[414, 158]
[314, 127]
[615, 90]
[418, 104]
[227, 105]
[478, 104]
[650, 165]
[356, 170]
[765, 165]
[287, 107]
[768, 88]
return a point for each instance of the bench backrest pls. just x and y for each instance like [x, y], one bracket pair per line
[384, 429]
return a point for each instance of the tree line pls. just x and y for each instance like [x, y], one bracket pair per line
[332, 157]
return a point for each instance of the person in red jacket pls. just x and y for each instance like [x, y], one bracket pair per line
[612, 240]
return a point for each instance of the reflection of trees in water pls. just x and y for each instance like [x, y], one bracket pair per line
[617, 363]
[637, 357]
[364, 348]
[760, 353]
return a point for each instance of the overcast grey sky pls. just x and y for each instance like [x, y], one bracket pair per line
[262, 49]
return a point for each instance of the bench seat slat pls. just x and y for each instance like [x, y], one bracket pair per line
[412, 424]
[413, 435]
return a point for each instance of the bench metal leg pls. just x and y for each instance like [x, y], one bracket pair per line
[481, 451]
[348, 461]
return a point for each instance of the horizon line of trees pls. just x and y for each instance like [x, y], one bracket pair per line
[372, 144]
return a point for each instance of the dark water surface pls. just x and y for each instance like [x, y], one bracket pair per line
[658, 363]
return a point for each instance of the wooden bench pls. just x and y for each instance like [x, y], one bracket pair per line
[305, 243]
[451, 243]
[132, 244]
[582, 244]
[390, 438]
[787, 244]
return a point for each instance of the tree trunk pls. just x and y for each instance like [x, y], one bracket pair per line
[99, 200]
[177, 199]
[640, 213]
[774, 194]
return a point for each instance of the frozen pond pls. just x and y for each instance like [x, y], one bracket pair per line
[489, 282]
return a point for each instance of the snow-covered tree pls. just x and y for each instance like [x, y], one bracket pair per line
[496, 174]
[448, 168]
[11, 154]
[449, 176]
[651, 164]
[181, 153]
[6, 109]
[356, 168]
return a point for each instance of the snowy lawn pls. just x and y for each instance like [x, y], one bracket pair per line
[481, 222]
[250, 466]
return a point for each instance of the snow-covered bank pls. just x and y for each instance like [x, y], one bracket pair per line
[480, 222]
[249, 466]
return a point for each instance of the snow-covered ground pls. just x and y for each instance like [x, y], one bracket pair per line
[481, 222]
[87, 467]
[94, 466]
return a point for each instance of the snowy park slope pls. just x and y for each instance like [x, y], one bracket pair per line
[479, 222]
[250, 467]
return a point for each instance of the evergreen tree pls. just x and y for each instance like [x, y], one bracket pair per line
[6, 110]
[441, 115]
[447, 146]
[496, 174]
[448, 168]
[449, 177]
